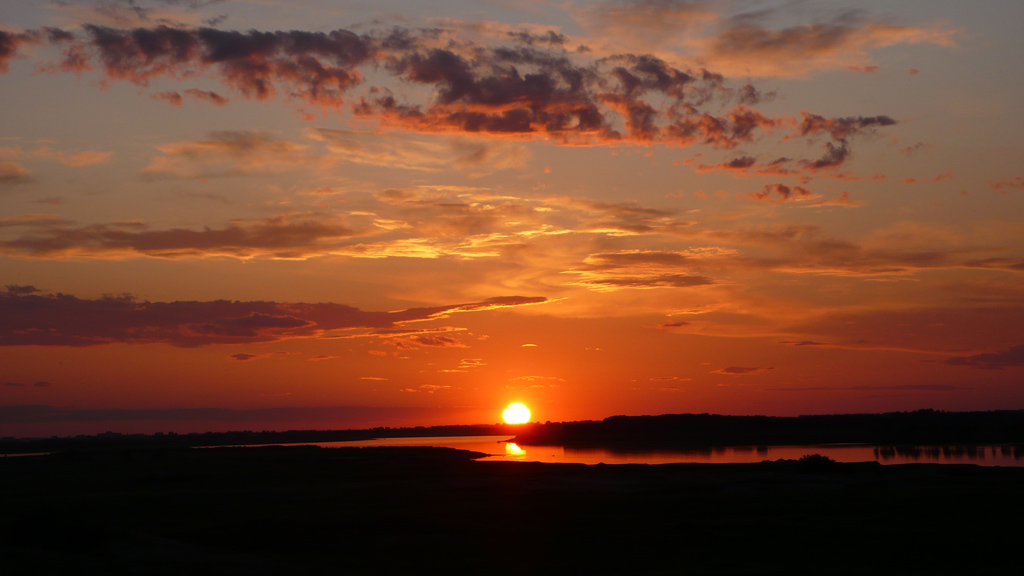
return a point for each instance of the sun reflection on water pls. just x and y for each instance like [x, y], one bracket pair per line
[511, 449]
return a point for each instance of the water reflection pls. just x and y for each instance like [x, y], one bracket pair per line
[499, 448]
[1001, 455]
[980, 455]
[511, 449]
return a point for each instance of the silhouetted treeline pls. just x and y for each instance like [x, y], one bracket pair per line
[696, 430]
[113, 440]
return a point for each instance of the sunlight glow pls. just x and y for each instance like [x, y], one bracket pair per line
[516, 413]
[511, 449]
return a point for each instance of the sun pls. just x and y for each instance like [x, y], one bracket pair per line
[516, 413]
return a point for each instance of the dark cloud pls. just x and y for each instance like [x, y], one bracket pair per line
[316, 67]
[617, 260]
[802, 343]
[11, 41]
[639, 269]
[781, 191]
[427, 340]
[667, 325]
[176, 99]
[550, 38]
[33, 318]
[650, 281]
[741, 164]
[909, 150]
[740, 371]
[748, 95]
[841, 128]
[1009, 358]
[16, 290]
[242, 357]
[525, 85]
[280, 236]
[40, 384]
[172, 98]
[207, 96]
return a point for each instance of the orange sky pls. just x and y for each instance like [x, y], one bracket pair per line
[224, 215]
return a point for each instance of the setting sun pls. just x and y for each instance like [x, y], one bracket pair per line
[516, 413]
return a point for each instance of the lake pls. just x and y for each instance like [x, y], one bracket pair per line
[500, 450]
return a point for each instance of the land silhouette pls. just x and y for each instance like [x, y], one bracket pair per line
[155, 505]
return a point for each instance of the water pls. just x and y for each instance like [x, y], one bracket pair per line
[499, 449]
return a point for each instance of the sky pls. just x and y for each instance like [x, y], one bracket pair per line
[269, 214]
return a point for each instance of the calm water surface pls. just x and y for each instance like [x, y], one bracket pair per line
[499, 449]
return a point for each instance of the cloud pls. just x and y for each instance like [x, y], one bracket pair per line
[497, 83]
[13, 173]
[75, 159]
[428, 341]
[841, 128]
[9, 44]
[246, 357]
[535, 379]
[749, 46]
[176, 99]
[207, 96]
[293, 236]
[677, 324]
[28, 317]
[783, 192]
[639, 269]
[1011, 264]
[649, 23]
[802, 343]
[740, 371]
[226, 154]
[914, 148]
[1003, 186]
[1010, 358]
[172, 98]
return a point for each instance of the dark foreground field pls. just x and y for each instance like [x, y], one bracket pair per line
[308, 510]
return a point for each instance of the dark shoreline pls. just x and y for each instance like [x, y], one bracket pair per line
[304, 510]
[669, 431]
